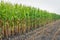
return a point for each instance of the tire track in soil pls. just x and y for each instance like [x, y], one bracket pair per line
[56, 35]
[46, 33]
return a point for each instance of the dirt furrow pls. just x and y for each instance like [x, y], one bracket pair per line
[49, 31]
[56, 35]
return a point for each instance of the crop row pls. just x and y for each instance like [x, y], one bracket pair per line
[20, 19]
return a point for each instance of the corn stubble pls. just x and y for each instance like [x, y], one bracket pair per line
[20, 19]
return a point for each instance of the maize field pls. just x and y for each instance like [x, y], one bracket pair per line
[21, 19]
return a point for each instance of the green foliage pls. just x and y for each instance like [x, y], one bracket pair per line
[29, 16]
[15, 12]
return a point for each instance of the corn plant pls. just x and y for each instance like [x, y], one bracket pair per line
[20, 19]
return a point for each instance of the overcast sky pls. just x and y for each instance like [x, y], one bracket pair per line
[49, 5]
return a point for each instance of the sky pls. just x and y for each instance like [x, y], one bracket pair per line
[49, 5]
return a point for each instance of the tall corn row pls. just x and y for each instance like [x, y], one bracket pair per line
[18, 19]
